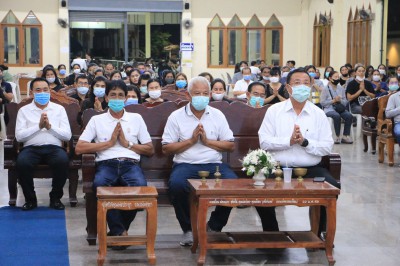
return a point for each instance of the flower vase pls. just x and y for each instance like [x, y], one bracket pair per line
[259, 179]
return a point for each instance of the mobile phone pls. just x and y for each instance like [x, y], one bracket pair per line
[319, 179]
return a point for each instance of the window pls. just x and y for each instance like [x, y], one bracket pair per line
[21, 43]
[230, 44]
[322, 40]
[359, 36]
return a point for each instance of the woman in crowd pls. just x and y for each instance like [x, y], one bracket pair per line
[275, 91]
[344, 75]
[76, 69]
[96, 95]
[333, 101]
[154, 95]
[316, 85]
[181, 82]
[218, 91]
[143, 84]
[115, 75]
[207, 75]
[133, 96]
[368, 72]
[393, 84]
[168, 79]
[99, 72]
[359, 87]
[265, 75]
[325, 79]
[134, 76]
[50, 75]
[383, 72]
[379, 86]
[62, 73]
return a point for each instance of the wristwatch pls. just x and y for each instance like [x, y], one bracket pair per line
[304, 143]
[130, 144]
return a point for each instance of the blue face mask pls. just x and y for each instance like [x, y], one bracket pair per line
[99, 92]
[116, 105]
[143, 89]
[63, 71]
[247, 77]
[301, 93]
[41, 98]
[327, 74]
[254, 100]
[181, 84]
[393, 87]
[200, 102]
[83, 90]
[130, 101]
[312, 74]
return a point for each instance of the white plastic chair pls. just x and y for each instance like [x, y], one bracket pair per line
[16, 92]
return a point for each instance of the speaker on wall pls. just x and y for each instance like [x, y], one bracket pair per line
[330, 1]
[187, 6]
[63, 3]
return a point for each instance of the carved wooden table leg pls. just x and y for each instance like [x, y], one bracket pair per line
[193, 219]
[102, 232]
[314, 218]
[330, 230]
[202, 232]
[151, 231]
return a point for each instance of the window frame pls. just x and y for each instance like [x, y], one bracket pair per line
[243, 43]
[224, 43]
[321, 55]
[280, 29]
[263, 42]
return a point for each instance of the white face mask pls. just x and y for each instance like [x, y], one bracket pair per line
[218, 96]
[376, 78]
[359, 78]
[155, 94]
[284, 74]
[77, 71]
[51, 80]
[274, 79]
[382, 71]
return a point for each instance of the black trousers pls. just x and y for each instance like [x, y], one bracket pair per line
[268, 216]
[30, 157]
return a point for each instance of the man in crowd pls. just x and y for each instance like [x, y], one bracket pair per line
[298, 134]
[239, 75]
[42, 126]
[120, 138]
[241, 86]
[196, 134]
[393, 107]
[256, 93]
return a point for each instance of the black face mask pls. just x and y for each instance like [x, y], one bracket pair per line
[345, 75]
[169, 80]
[335, 81]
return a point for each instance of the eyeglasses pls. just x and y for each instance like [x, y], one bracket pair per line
[83, 83]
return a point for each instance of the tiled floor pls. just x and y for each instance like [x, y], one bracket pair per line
[368, 223]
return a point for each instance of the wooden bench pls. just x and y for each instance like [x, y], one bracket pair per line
[244, 121]
[12, 147]
[368, 117]
[385, 132]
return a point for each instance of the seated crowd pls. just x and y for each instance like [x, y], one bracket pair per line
[195, 134]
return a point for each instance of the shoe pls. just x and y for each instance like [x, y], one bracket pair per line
[29, 206]
[187, 239]
[354, 121]
[57, 205]
[337, 141]
[209, 229]
[347, 140]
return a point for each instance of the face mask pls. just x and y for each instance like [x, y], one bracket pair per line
[382, 71]
[63, 71]
[327, 74]
[284, 74]
[143, 89]
[200, 102]
[393, 87]
[41, 98]
[345, 75]
[141, 72]
[99, 92]
[155, 94]
[376, 78]
[241, 68]
[312, 74]
[77, 71]
[254, 100]
[274, 79]
[83, 90]
[301, 93]
[116, 105]
[266, 78]
[247, 77]
[181, 84]
[218, 96]
[131, 101]
[169, 80]
[51, 80]
[335, 81]
[123, 74]
[359, 78]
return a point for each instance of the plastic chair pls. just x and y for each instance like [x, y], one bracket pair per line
[16, 92]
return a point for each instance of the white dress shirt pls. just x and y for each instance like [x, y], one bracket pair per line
[180, 126]
[27, 126]
[101, 127]
[242, 85]
[277, 128]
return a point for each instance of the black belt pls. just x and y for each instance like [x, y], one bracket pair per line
[124, 159]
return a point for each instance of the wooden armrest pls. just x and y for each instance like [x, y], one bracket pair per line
[88, 171]
[11, 150]
[368, 122]
[333, 163]
[385, 127]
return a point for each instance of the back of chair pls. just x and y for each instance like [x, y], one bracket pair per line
[16, 93]
[382, 103]
[370, 108]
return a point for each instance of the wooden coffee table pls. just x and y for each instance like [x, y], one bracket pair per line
[236, 192]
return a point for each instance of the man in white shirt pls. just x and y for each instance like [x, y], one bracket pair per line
[241, 85]
[80, 61]
[196, 134]
[42, 126]
[119, 140]
[298, 134]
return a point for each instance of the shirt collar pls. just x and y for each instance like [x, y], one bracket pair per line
[189, 111]
[112, 119]
[33, 106]
[306, 108]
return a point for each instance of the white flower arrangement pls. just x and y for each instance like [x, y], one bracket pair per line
[258, 160]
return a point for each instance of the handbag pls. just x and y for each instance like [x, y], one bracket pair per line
[338, 107]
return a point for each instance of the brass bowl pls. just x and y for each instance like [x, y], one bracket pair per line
[300, 172]
[203, 174]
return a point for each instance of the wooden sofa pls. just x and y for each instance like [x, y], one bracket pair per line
[244, 121]
[385, 132]
[12, 147]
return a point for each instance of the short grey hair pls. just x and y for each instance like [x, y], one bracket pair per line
[197, 80]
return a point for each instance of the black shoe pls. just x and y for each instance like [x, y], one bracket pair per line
[29, 206]
[57, 205]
